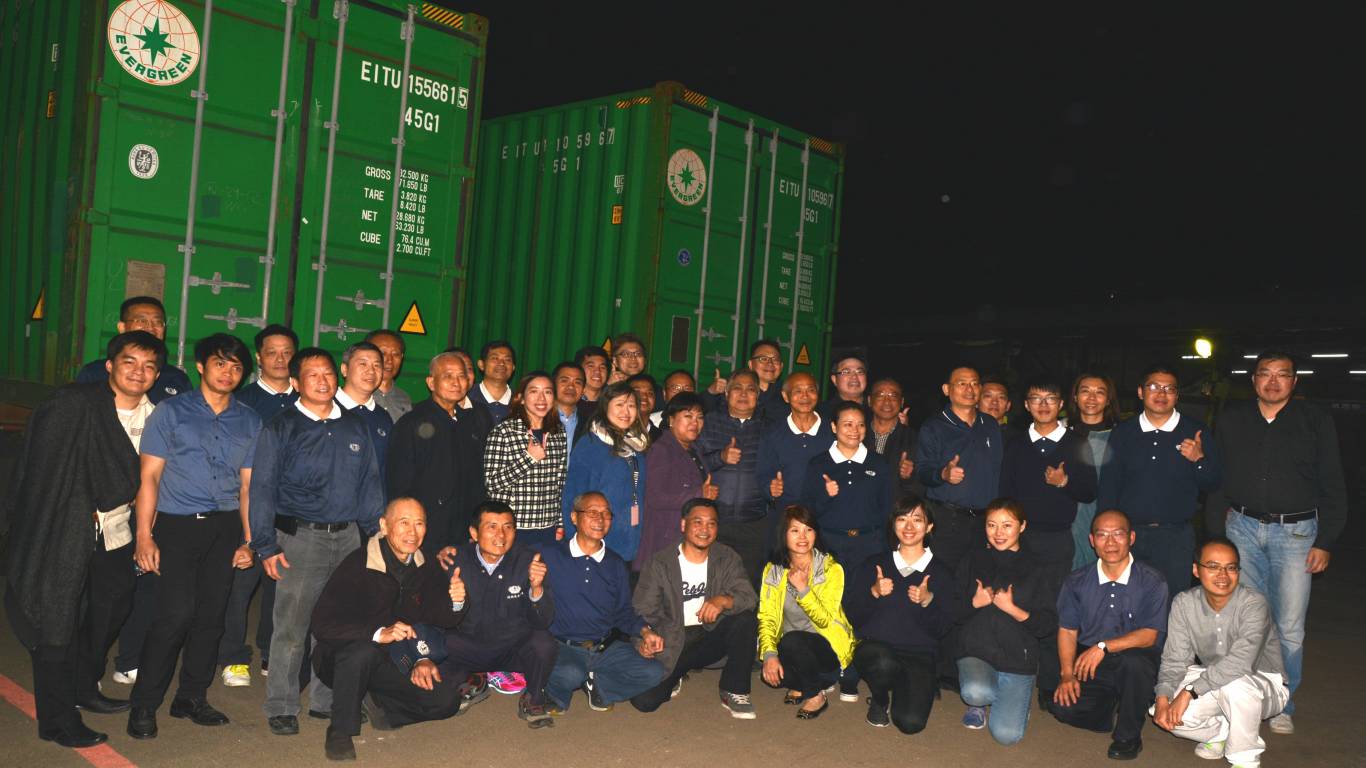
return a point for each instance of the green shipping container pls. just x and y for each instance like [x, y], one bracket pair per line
[697, 225]
[246, 161]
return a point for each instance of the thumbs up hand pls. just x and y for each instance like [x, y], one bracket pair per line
[1193, 450]
[906, 467]
[535, 574]
[718, 384]
[534, 449]
[832, 488]
[710, 491]
[882, 586]
[982, 597]
[920, 594]
[1056, 476]
[904, 417]
[457, 590]
[731, 453]
[775, 486]
[952, 473]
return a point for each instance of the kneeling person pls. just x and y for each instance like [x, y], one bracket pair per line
[698, 598]
[507, 611]
[380, 595]
[1221, 673]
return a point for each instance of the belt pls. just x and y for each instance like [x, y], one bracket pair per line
[199, 515]
[851, 532]
[327, 527]
[1286, 519]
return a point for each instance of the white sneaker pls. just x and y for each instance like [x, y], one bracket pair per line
[1282, 724]
[126, 678]
[237, 675]
[1209, 750]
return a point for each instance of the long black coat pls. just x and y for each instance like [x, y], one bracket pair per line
[76, 459]
[440, 462]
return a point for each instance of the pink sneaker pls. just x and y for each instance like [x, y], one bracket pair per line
[509, 683]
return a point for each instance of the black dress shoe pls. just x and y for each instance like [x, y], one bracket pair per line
[283, 725]
[812, 714]
[75, 736]
[338, 746]
[198, 711]
[142, 723]
[1124, 750]
[103, 705]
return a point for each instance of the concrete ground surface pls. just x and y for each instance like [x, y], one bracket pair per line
[695, 731]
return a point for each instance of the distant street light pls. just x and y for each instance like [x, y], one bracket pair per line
[1204, 348]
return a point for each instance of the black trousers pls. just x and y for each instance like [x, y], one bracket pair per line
[750, 540]
[233, 648]
[532, 655]
[956, 532]
[905, 679]
[362, 667]
[1123, 680]
[809, 663]
[732, 638]
[1054, 550]
[192, 594]
[1171, 550]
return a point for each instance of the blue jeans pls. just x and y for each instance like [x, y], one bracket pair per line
[619, 673]
[1008, 695]
[1273, 557]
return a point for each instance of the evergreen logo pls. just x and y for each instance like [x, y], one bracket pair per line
[687, 177]
[153, 41]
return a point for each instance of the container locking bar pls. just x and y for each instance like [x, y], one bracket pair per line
[341, 10]
[200, 95]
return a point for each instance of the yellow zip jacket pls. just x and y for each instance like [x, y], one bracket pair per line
[821, 603]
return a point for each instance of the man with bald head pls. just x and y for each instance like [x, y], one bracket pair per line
[380, 629]
[789, 444]
[436, 454]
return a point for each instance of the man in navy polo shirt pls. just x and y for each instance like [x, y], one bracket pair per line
[788, 445]
[958, 460]
[1111, 621]
[362, 369]
[191, 513]
[315, 475]
[271, 393]
[1160, 463]
[142, 313]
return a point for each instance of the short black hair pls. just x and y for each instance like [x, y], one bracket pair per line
[137, 340]
[764, 343]
[779, 555]
[741, 373]
[626, 337]
[835, 363]
[642, 377]
[991, 378]
[590, 351]
[1044, 384]
[362, 346]
[683, 401]
[698, 501]
[1157, 368]
[296, 363]
[134, 301]
[491, 507]
[378, 332]
[1275, 354]
[489, 346]
[275, 329]
[1222, 540]
[226, 346]
[847, 405]
[905, 506]
[555, 374]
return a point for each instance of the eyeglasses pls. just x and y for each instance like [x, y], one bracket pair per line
[631, 354]
[596, 514]
[1163, 389]
[142, 322]
[852, 372]
[1050, 399]
[767, 359]
[887, 396]
[1279, 375]
[678, 388]
[1219, 567]
[1116, 535]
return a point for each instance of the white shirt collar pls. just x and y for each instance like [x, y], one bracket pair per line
[920, 564]
[1123, 577]
[466, 403]
[349, 403]
[1055, 435]
[506, 399]
[858, 457]
[489, 567]
[815, 428]
[1169, 426]
[289, 388]
[657, 418]
[576, 551]
[335, 414]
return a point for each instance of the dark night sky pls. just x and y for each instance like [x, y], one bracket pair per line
[1150, 153]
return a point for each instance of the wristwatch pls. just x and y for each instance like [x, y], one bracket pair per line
[1101, 645]
[1191, 690]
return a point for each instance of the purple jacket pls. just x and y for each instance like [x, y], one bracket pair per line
[675, 476]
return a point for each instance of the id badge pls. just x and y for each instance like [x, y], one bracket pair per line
[635, 514]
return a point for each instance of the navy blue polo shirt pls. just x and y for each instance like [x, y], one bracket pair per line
[265, 401]
[979, 448]
[1101, 609]
[784, 448]
[205, 452]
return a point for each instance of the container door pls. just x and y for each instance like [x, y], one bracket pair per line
[385, 196]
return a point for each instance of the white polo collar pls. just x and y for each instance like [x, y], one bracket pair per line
[576, 551]
[349, 403]
[815, 428]
[1123, 577]
[335, 414]
[506, 399]
[1169, 426]
[289, 388]
[857, 458]
[1055, 435]
[921, 563]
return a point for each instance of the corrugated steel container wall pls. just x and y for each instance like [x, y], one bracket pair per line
[122, 181]
[646, 211]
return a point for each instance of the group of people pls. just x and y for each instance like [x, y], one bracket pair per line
[588, 528]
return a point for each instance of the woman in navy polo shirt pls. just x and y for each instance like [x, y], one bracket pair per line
[849, 488]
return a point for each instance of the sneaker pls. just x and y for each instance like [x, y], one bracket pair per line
[1209, 750]
[975, 718]
[849, 694]
[265, 667]
[126, 678]
[474, 690]
[507, 683]
[1282, 724]
[535, 715]
[877, 714]
[595, 701]
[741, 708]
[678, 688]
[237, 675]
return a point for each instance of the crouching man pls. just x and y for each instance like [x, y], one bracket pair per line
[382, 594]
[1238, 681]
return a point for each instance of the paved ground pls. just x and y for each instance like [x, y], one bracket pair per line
[694, 730]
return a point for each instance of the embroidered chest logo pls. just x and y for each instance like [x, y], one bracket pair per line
[355, 447]
[514, 592]
[423, 648]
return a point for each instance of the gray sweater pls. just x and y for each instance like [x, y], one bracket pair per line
[659, 594]
[1237, 641]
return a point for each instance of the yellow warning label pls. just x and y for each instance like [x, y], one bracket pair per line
[607, 344]
[616, 214]
[803, 356]
[412, 322]
[38, 308]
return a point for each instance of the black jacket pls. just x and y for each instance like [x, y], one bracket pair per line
[989, 633]
[76, 459]
[498, 606]
[902, 440]
[440, 462]
[1047, 507]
